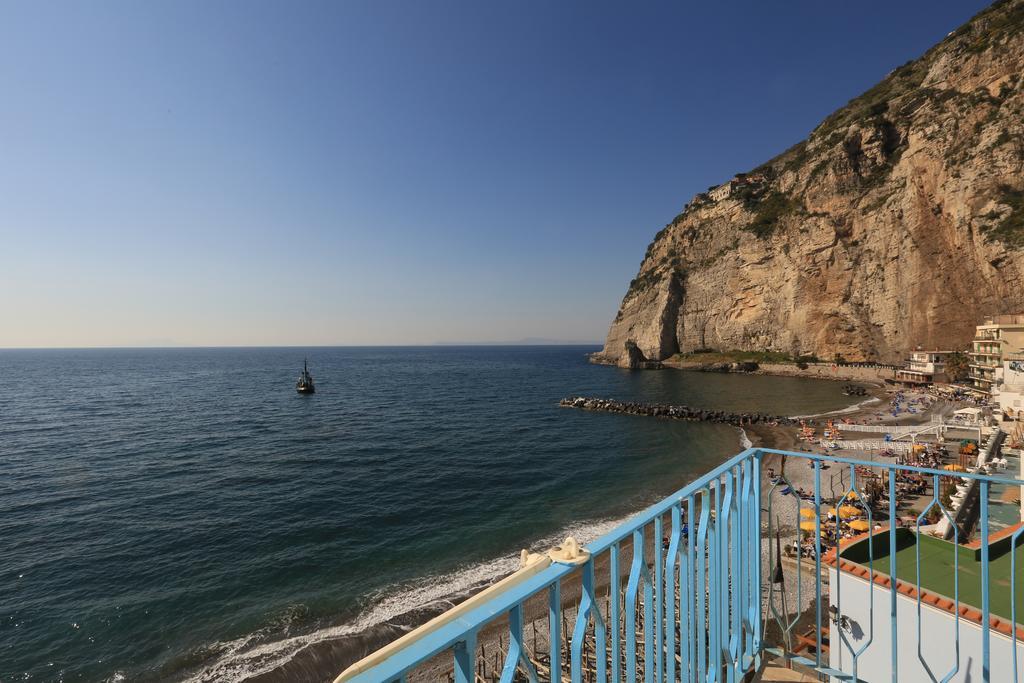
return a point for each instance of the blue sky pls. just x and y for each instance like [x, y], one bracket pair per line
[246, 173]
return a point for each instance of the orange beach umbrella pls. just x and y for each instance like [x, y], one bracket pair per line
[850, 511]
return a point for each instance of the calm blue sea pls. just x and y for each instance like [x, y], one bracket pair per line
[185, 515]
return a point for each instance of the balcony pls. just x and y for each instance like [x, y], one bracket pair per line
[694, 588]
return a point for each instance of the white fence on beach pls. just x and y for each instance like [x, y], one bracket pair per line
[882, 429]
[895, 430]
[874, 445]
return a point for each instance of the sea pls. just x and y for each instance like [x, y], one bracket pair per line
[185, 515]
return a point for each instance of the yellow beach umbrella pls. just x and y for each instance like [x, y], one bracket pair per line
[807, 525]
[808, 512]
[850, 511]
[954, 468]
[859, 525]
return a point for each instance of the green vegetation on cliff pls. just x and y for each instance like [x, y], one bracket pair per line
[1009, 230]
[769, 212]
[711, 356]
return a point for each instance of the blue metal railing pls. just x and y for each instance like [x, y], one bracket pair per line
[697, 600]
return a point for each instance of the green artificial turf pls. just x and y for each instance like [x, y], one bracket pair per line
[939, 561]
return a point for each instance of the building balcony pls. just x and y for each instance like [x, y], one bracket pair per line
[694, 589]
[925, 367]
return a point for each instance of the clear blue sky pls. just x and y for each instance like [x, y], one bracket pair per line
[245, 173]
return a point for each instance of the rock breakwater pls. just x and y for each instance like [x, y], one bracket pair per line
[677, 412]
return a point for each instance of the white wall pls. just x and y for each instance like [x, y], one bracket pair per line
[938, 639]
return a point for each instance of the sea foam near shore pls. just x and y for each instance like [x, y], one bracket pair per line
[400, 607]
[842, 411]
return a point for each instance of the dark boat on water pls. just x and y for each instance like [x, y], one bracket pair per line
[854, 390]
[305, 383]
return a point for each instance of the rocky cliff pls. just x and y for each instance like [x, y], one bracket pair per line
[899, 221]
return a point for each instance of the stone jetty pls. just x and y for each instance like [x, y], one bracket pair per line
[676, 412]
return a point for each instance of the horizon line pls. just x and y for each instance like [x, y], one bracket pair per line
[296, 346]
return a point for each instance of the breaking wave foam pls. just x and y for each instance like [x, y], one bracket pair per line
[745, 441]
[842, 411]
[240, 659]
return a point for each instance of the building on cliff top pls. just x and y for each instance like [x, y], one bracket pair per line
[995, 338]
[725, 190]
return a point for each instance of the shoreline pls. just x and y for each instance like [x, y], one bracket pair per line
[875, 374]
[326, 657]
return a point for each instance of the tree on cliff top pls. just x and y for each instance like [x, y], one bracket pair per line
[957, 366]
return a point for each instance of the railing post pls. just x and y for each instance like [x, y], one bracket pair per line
[465, 659]
[986, 667]
[690, 613]
[893, 593]
[668, 589]
[758, 576]
[588, 606]
[727, 586]
[614, 616]
[734, 543]
[659, 604]
[555, 629]
[714, 588]
[1013, 597]
[817, 561]
[752, 540]
[648, 619]
[516, 651]
[701, 606]
[632, 588]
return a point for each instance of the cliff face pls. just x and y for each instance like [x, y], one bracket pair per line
[899, 221]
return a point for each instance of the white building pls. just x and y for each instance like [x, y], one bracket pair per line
[1009, 393]
[924, 367]
[721, 192]
[994, 339]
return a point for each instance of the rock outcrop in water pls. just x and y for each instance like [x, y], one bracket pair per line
[898, 221]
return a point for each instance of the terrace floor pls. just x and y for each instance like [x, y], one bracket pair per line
[939, 561]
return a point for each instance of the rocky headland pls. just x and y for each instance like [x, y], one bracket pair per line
[899, 221]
